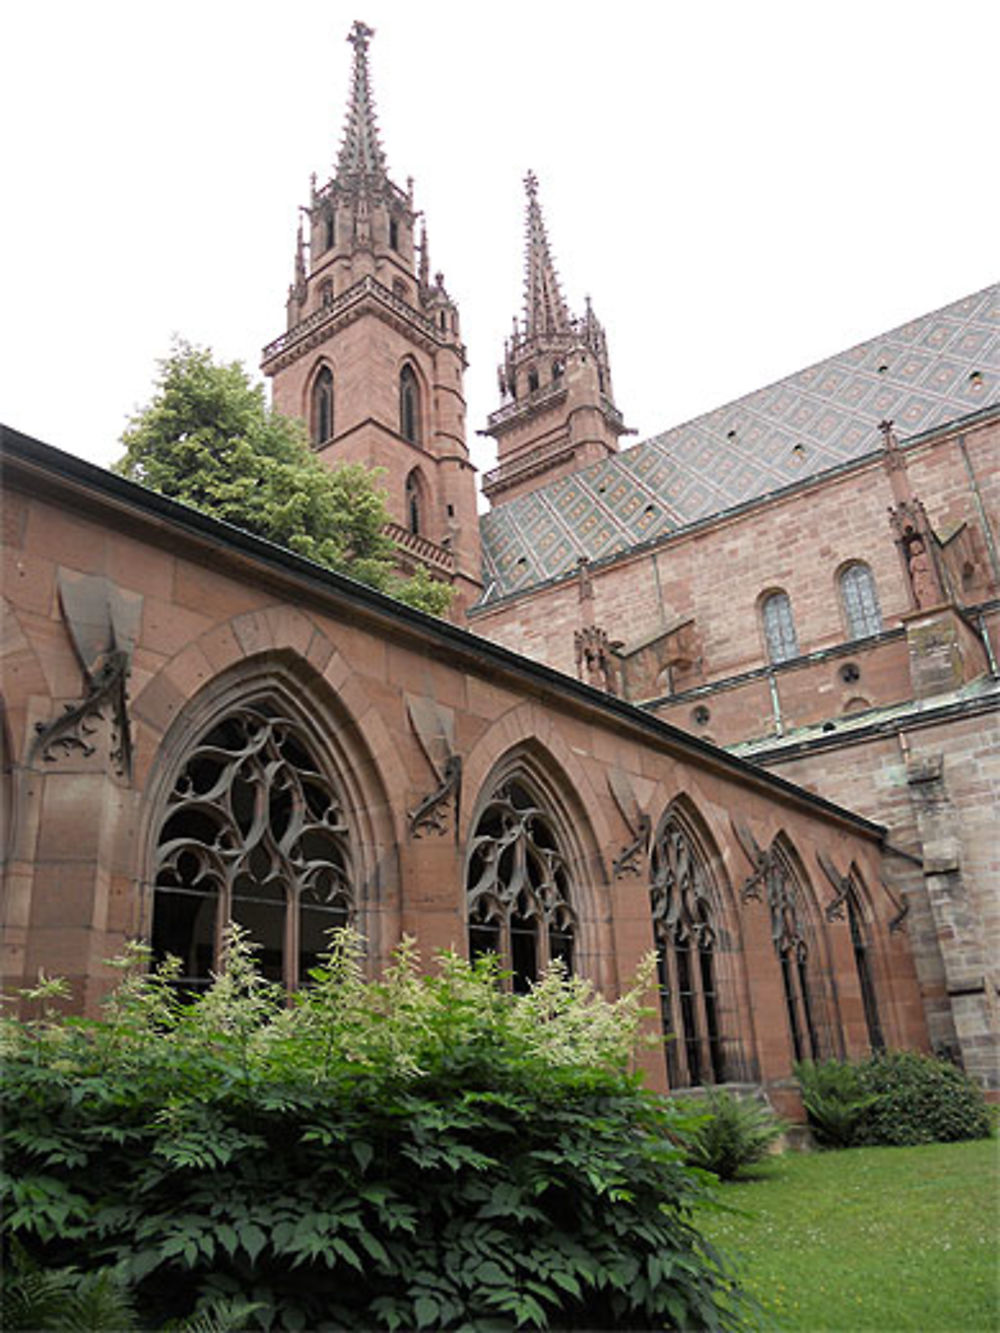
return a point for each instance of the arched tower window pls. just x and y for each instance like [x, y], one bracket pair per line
[329, 229]
[532, 380]
[517, 886]
[253, 831]
[414, 503]
[394, 233]
[686, 937]
[409, 405]
[861, 608]
[779, 627]
[792, 946]
[861, 946]
[322, 407]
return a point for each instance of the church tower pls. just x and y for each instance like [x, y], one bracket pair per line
[372, 358]
[558, 412]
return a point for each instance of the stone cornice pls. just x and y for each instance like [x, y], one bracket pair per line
[365, 297]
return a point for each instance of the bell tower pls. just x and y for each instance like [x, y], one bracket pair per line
[372, 358]
[557, 412]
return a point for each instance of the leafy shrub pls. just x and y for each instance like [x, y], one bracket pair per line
[728, 1133]
[892, 1098]
[413, 1152]
[834, 1099]
[917, 1099]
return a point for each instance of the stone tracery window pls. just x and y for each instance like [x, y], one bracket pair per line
[685, 934]
[322, 406]
[857, 591]
[253, 831]
[779, 627]
[409, 405]
[861, 947]
[792, 948]
[414, 503]
[518, 887]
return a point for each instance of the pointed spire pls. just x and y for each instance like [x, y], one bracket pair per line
[425, 260]
[361, 152]
[544, 309]
[300, 259]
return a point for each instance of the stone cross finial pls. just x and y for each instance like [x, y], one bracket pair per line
[360, 35]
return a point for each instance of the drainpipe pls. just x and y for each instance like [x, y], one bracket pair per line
[779, 728]
[984, 634]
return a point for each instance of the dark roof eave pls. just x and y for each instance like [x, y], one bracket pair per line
[57, 466]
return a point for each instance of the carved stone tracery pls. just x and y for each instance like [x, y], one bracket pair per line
[517, 875]
[253, 819]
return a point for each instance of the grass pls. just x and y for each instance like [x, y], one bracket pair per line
[883, 1239]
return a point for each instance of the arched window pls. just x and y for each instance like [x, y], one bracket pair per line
[253, 832]
[409, 405]
[394, 233]
[860, 945]
[322, 407]
[414, 503]
[792, 947]
[532, 380]
[518, 887]
[857, 591]
[685, 934]
[779, 627]
[326, 292]
[329, 230]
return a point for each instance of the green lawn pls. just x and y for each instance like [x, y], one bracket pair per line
[870, 1238]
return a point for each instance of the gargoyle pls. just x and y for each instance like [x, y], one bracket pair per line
[841, 884]
[638, 823]
[434, 727]
[758, 858]
[102, 622]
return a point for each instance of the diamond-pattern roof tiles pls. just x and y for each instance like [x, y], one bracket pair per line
[927, 372]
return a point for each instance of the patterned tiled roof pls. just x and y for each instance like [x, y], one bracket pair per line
[930, 371]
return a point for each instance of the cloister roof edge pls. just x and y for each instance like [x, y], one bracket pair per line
[63, 471]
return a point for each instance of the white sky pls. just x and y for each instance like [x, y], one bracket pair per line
[742, 187]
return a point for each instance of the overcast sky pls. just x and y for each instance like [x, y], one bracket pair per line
[742, 188]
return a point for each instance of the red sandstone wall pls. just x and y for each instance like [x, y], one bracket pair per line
[798, 543]
[79, 864]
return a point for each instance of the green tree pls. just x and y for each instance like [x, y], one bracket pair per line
[208, 439]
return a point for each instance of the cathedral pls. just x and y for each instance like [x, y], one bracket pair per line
[728, 694]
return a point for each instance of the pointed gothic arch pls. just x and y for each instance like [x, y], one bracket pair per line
[321, 406]
[699, 953]
[410, 405]
[415, 503]
[263, 809]
[858, 912]
[526, 898]
[797, 944]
